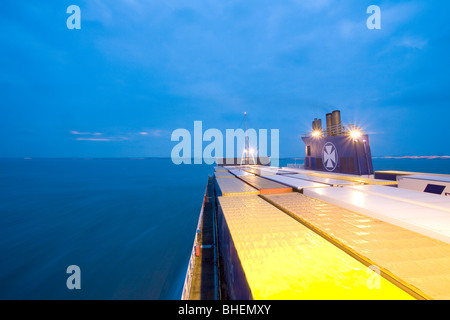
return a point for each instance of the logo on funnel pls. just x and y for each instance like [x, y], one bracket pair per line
[330, 156]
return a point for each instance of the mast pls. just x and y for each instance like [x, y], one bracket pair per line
[247, 149]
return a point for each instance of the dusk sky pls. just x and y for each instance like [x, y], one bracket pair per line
[138, 70]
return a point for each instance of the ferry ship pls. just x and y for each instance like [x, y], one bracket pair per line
[331, 229]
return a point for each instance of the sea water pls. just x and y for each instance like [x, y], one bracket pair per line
[128, 224]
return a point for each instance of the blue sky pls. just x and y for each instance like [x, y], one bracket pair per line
[137, 70]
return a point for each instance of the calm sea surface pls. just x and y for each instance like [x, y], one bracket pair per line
[128, 224]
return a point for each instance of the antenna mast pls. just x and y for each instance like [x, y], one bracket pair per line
[247, 149]
[246, 153]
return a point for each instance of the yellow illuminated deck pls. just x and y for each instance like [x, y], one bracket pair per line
[420, 263]
[265, 185]
[283, 259]
[234, 186]
[223, 174]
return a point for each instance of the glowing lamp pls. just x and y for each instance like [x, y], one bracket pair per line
[355, 134]
[316, 133]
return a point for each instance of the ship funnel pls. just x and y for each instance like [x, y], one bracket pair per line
[339, 147]
[329, 124]
[336, 122]
[317, 125]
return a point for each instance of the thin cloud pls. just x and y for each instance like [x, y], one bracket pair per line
[86, 133]
[102, 139]
[118, 136]
[95, 136]
[92, 139]
[154, 133]
[413, 43]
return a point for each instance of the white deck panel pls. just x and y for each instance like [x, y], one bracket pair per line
[269, 169]
[427, 177]
[295, 183]
[276, 170]
[333, 182]
[298, 170]
[415, 197]
[239, 173]
[439, 185]
[305, 171]
[419, 218]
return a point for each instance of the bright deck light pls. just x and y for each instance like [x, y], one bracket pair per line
[316, 133]
[355, 134]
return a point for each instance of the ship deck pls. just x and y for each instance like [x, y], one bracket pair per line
[282, 239]
[205, 272]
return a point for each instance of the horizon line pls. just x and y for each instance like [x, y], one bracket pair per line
[156, 157]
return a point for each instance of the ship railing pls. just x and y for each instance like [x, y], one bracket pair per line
[335, 130]
[190, 269]
[295, 164]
